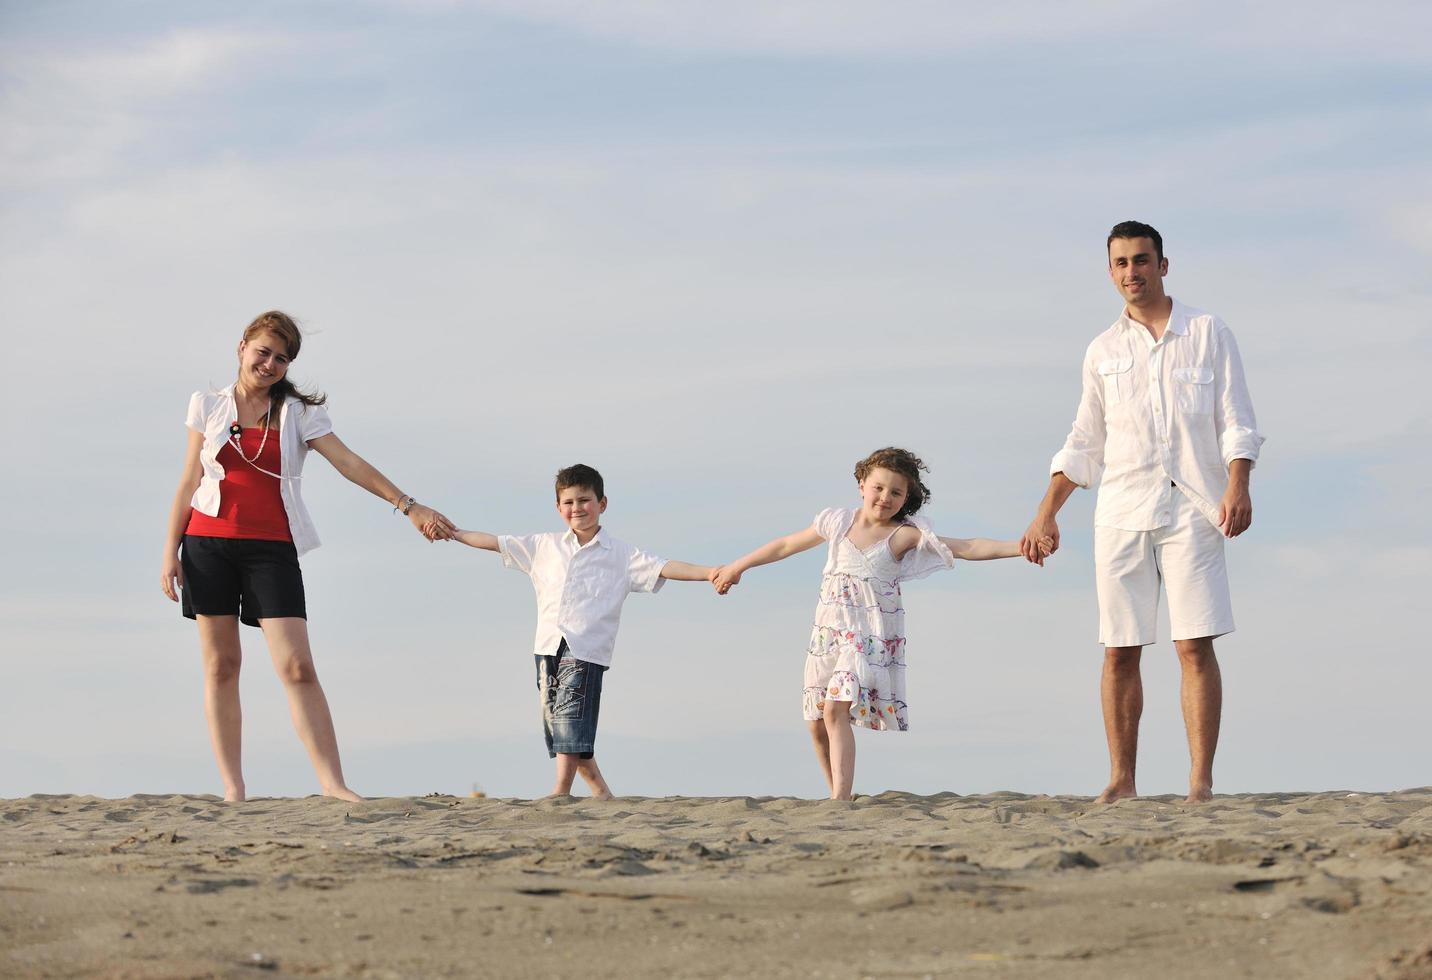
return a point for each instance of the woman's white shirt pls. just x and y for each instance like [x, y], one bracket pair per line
[212, 412]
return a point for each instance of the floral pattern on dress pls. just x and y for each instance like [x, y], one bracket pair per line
[857, 644]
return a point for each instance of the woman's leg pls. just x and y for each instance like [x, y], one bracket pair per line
[822, 750]
[288, 646]
[219, 643]
[842, 749]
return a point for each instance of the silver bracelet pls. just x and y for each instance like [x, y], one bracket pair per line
[405, 504]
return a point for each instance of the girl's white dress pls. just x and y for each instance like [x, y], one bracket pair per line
[857, 646]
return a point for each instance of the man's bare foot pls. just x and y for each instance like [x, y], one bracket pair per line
[342, 793]
[1200, 793]
[1117, 791]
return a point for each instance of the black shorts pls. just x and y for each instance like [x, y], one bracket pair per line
[238, 577]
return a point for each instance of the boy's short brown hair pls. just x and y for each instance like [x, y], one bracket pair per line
[580, 475]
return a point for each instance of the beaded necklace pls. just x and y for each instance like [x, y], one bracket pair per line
[237, 430]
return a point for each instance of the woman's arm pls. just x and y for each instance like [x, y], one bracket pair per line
[171, 577]
[680, 571]
[358, 470]
[476, 539]
[984, 549]
[773, 551]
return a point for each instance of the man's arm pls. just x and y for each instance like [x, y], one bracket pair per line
[1235, 513]
[1044, 525]
[1078, 463]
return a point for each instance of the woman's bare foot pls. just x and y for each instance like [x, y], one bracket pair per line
[1116, 791]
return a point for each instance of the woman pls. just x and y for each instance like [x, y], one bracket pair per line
[240, 518]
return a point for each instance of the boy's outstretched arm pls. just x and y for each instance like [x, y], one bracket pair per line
[680, 571]
[475, 539]
[772, 551]
[984, 549]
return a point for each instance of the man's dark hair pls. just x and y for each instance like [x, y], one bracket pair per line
[1136, 229]
[580, 475]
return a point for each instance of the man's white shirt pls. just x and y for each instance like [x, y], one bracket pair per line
[1153, 413]
[580, 588]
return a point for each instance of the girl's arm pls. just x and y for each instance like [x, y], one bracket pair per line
[984, 549]
[680, 571]
[475, 539]
[171, 576]
[358, 470]
[791, 544]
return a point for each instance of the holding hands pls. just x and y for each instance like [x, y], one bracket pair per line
[431, 524]
[1041, 539]
[724, 577]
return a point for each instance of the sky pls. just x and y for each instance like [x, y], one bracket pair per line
[721, 251]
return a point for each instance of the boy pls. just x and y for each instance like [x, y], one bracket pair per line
[581, 578]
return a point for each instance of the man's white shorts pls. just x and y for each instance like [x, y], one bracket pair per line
[1186, 555]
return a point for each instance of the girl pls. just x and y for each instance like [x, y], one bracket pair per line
[855, 664]
[242, 525]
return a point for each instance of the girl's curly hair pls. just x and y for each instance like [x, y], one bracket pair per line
[908, 465]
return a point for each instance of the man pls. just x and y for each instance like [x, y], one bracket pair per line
[1166, 418]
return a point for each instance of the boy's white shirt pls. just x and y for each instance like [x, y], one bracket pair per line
[580, 588]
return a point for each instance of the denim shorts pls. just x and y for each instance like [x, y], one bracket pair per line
[570, 691]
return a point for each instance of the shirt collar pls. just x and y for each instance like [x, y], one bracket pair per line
[1177, 319]
[600, 539]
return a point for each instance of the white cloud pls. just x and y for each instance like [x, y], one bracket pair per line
[70, 110]
[1391, 29]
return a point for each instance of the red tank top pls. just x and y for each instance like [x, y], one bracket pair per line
[250, 505]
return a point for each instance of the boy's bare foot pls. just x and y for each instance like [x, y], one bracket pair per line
[1116, 791]
[605, 794]
[342, 793]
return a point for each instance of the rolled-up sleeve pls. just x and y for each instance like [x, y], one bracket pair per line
[644, 572]
[1082, 458]
[518, 551]
[1238, 435]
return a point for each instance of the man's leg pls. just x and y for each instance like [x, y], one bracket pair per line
[1122, 691]
[1200, 608]
[1202, 695]
[1126, 577]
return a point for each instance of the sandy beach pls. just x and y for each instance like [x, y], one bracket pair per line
[1330, 884]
